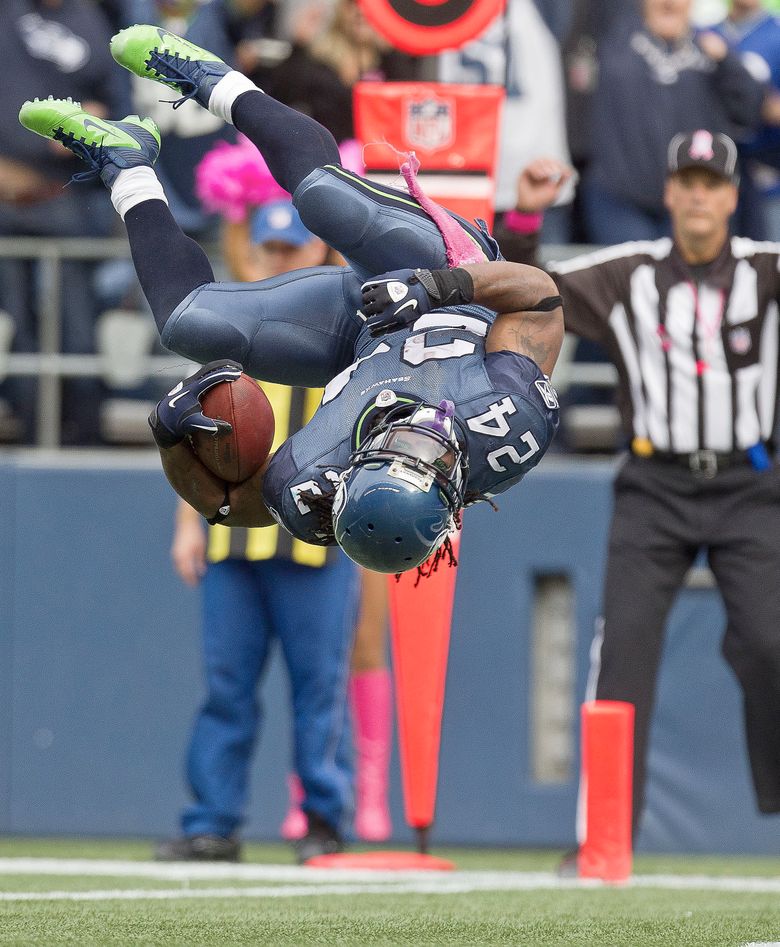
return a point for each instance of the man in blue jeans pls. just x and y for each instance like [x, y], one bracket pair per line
[260, 587]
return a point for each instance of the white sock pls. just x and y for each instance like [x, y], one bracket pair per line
[134, 186]
[225, 93]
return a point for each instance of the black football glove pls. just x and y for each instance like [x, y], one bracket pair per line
[396, 299]
[179, 413]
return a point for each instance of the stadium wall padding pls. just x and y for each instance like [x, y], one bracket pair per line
[100, 671]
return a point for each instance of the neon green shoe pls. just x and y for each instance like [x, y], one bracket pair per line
[153, 53]
[107, 147]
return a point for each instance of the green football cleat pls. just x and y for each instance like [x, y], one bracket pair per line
[107, 147]
[153, 53]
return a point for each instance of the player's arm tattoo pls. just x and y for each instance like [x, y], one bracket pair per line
[532, 337]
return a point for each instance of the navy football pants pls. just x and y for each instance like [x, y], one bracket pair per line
[300, 328]
[663, 515]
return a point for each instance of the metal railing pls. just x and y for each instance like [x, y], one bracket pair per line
[50, 365]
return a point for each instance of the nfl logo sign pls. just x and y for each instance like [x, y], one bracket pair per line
[430, 123]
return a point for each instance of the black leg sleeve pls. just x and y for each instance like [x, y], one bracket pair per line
[293, 144]
[169, 264]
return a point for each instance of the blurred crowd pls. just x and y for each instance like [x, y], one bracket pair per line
[598, 85]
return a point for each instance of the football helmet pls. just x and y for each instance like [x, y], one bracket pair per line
[400, 495]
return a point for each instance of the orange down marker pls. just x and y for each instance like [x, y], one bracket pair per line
[607, 770]
[420, 619]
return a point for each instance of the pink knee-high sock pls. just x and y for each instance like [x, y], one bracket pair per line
[295, 824]
[371, 700]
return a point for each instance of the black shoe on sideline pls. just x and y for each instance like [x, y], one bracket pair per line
[321, 839]
[198, 848]
[567, 866]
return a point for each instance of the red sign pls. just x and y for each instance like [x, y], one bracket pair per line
[451, 128]
[430, 26]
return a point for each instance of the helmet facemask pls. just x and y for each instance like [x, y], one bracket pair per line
[401, 496]
[422, 446]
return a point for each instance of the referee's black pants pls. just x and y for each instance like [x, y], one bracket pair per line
[663, 515]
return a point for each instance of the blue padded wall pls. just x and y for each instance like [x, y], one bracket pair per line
[100, 671]
[7, 613]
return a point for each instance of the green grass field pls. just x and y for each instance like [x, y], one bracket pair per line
[108, 892]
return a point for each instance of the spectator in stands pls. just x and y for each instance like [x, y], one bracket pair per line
[755, 35]
[190, 130]
[257, 587]
[557, 14]
[57, 47]
[231, 26]
[323, 66]
[519, 52]
[590, 25]
[657, 78]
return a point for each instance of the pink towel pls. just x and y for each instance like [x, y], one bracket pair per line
[461, 249]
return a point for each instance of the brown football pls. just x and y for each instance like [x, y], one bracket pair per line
[235, 457]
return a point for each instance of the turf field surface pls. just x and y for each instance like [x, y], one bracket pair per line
[108, 892]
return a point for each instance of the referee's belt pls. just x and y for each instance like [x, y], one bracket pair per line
[702, 463]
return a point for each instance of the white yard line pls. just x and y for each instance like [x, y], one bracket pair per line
[168, 871]
[280, 891]
[289, 881]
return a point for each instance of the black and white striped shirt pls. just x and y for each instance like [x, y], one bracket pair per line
[696, 352]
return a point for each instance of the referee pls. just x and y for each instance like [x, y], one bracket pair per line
[691, 324]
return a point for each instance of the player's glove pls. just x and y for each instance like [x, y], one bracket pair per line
[179, 413]
[396, 299]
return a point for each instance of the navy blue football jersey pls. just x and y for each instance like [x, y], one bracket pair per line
[504, 404]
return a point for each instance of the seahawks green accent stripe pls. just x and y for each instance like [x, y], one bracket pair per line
[364, 184]
[360, 435]
[389, 194]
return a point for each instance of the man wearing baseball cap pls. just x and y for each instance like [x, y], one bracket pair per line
[281, 243]
[701, 149]
[691, 323]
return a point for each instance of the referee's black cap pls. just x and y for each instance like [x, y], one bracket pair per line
[704, 149]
